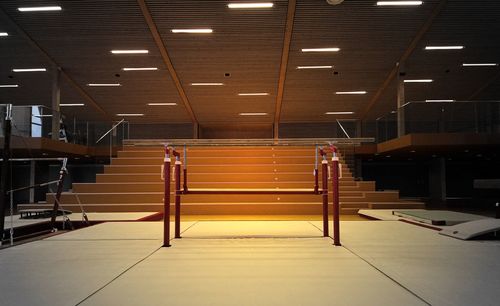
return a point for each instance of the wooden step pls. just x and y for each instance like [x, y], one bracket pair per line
[220, 177]
[227, 168]
[159, 186]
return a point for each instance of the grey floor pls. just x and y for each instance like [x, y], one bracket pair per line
[251, 263]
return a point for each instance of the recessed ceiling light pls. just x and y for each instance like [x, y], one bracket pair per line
[140, 69]
[440, 100]
[250, 5]
[321, 50]
[39, 9]
[72, 104]
[253, 94]
[130, 51]
[207, 84]
[419, 81]
[42, 116]
[162, 104]
[339, 113]
[444, 47]
[104, 84]
[4, 34]
[192, 31]
[361, 92]
[29, 70]
[314, 67]
[9, 86]
[395, 3]
[253, 114]
[130, 115]
[479, 64]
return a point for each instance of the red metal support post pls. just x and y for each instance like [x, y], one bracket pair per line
[177, 194]
[336, 203]
[166, 198]
[324, 174]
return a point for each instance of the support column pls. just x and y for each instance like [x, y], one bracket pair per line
[56, 102]
[196, 131]
[5, 168]
[401, 100]
[166, 198]
[437, 179]
[32, 181]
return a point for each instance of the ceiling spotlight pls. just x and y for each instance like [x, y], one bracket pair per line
[253, 94]
[314, 67]
[72, 104]
[419, 81]
[440, 100]
[253, 114]
[162, 104]
[335, 49]
[39, 9]
[334, 2]
[29, 70]
[398, 3]
[480, 64]
[140, 69]
[9, 86]
[130, 115]
[104, 84]
[192, 31]
[362, 92]
[207, 84]
[130, 51]
[444, 47]
[339, 113]
[4, 34]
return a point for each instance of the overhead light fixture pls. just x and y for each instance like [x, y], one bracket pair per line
[39, 8]
[444, 47]
[162, 104]
[321, 50]
[140, 69]
[399, 3]
[129, 51]
[4, 34]
[192, 31]
[361, 92]
[479, 64]
[130, 115]
[9, 86]
[72, 104]
[253, 114]
[250, 5]
[440, 100]
[104, 84]
[29, 70]
[42, 116]
[419, 81]
[314, 67]
[253, 94]
[207, 84]
[339, 113]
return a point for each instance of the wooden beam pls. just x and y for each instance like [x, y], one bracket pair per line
[284, 64]
[166, 58]
[392, 74]
[33, 43]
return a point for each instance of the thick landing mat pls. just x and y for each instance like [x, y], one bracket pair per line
[472, 229]
[437, 217]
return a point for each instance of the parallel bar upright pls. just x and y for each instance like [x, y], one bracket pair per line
[324, 172]
[336, 202]
[166, 198]
[178, 192]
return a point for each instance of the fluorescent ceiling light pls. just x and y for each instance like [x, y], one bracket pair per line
[104, 84]
[9, 86]
[253, 114]
[321, 50]
[140, 69]
[339, 113]
[207, 84]
[39, 8]
[314, 67]
[419, 81]
[130, 51]
[72, 104]
[130, 115]
[192, 31]
[440, 100]
[479, 64]
[162, 104]
[395, 3]
[250, 5]
[4, 34]
[30, 70]
[444, 47]
[362, 92]
[41, 116]
[253, 94]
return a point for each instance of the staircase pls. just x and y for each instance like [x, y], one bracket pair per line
[132, 183]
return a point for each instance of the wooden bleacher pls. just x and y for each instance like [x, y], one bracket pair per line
[132, 183]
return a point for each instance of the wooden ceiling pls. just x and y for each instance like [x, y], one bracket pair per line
[246, 52]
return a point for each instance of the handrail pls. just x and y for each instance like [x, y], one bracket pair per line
[110, 130]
